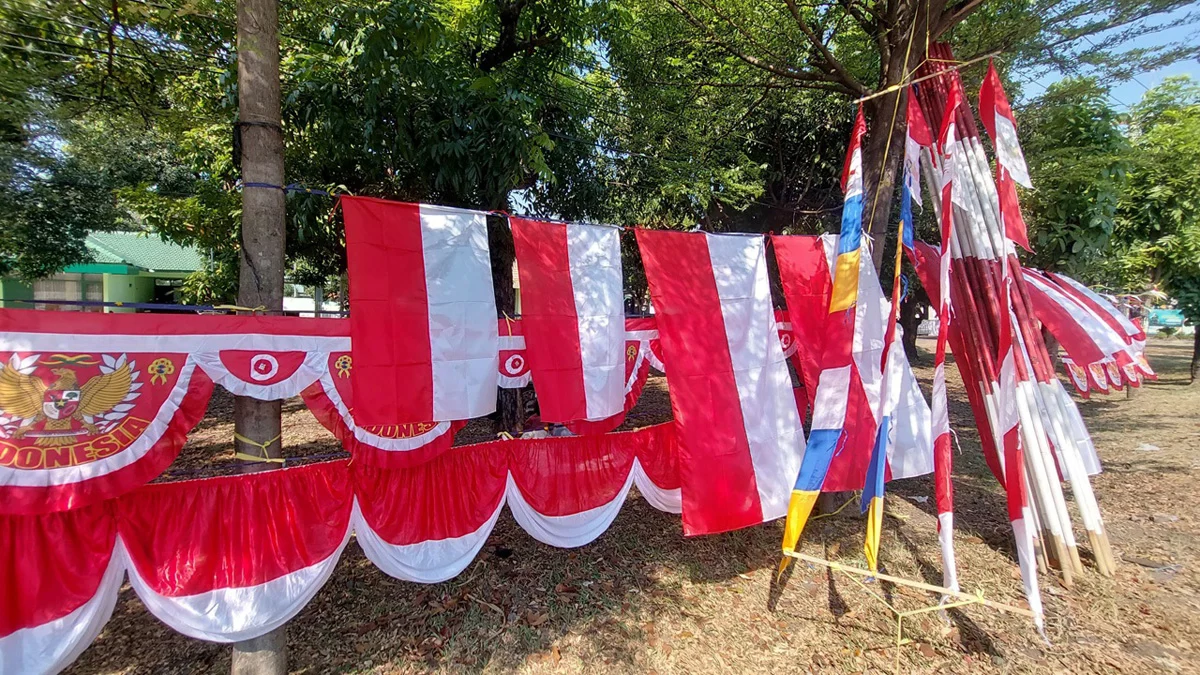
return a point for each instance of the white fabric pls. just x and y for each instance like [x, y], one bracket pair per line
[594, 255]
[54, 645]
[1008, 150]
[1131, 329]
[772, 423]
[1028, 565]
[829, 405]
[1078, 431]
[236, 614]
[314, 365]
[669, 501]
[912, 167]
[426, 562]
[1101, 333]
[375, 440]
[571, 531]
[66, 475]
[946, 540]
[911, 451]
[463, 335]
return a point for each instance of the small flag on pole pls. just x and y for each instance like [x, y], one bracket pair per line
[849, 251]
[997, 117]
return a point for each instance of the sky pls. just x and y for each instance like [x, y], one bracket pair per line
[1125, 94]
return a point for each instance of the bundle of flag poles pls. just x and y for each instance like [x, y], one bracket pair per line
[1033, 434]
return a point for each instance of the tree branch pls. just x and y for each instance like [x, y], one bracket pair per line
[507, 43]
[833, 64]
[749, 59]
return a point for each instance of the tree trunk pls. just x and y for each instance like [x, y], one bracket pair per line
[879, 172]
[1052, 349]
[910, 321]
[510, 405]
[1195, 371]
[262, 258]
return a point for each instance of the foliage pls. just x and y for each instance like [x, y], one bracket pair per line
[1160, 212]
[1078, 158]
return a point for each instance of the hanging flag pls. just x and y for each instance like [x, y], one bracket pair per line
[845, 350]
[917, 136]
[997, 117]
[845, 277]
[942, 456]
[423, 321]
[573, 316]
[731, 392]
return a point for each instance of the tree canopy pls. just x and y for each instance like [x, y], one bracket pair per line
[666, 113]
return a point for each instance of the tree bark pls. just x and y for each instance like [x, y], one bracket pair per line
[1195, 370]
[882, 153]
[263, 242]
[510, 404]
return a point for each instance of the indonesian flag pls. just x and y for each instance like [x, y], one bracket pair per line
[845, 277]
[573, 317]
[423, 322]
[917, 136]
[731, 392]
[998, 119]
[942, 457]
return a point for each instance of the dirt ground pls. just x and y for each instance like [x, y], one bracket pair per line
[643, 598]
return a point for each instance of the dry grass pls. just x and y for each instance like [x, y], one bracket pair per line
[643, 598]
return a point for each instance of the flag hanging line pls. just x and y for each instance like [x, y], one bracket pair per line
[900, 85]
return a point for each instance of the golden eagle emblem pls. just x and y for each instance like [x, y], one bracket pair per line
[63, 403]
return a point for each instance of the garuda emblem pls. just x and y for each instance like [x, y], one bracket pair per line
[57, 410]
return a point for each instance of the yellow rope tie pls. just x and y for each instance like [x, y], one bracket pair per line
[239, 308]
[839, 509]
[261, 446]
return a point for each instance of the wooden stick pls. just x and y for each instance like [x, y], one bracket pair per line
[900, 581]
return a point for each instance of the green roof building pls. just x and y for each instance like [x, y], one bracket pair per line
[126, 267]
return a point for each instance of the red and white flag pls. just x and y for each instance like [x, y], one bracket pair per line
[1011, 170]
[731, 392]
[942, 456]
[573, 316]
[423, 313]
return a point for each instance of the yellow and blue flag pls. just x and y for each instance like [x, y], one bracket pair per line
[849, 250]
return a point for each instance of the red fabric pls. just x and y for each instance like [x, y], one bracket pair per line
[322, 408]
[262, 367]
[551, 326]
[568, 475]
[31, 500]
[393, 364]
[826, 341]
[992, 103]
[451, 496]
[1087, 301]
[719, 486]
[235, 531]
[804, 270]
[52, 564]
[658, 454]
[97, 323]
[1073, 337]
